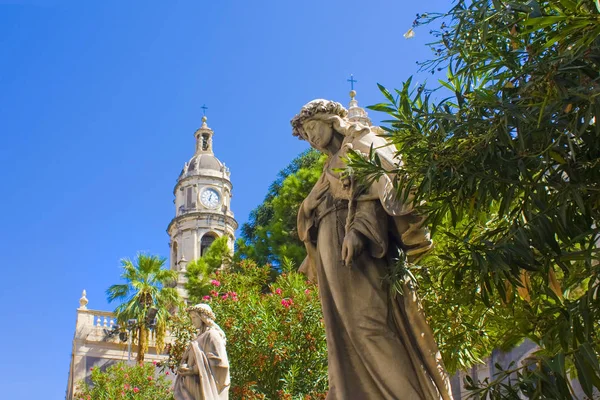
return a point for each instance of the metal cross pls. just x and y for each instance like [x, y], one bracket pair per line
[352, 81]
[204, 108]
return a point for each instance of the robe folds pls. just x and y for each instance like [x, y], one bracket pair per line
[207, 353]
[379, 343]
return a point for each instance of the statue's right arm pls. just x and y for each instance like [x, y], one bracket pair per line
[315, 197]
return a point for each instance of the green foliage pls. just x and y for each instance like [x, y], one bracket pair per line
[507, 169]
[198, 271]
[271, 234]
[145, 287]
[182, 331]
[275, 335]
[121, 381]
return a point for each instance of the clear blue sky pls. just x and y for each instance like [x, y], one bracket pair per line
[99, 101]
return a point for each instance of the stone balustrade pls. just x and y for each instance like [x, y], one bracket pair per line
[104, 319]
[94, 326]
[94, 345]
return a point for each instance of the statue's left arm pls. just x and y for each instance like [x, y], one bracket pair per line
[370, 222]
[216, 354]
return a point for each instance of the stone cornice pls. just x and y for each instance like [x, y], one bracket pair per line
[194, 215]
[194, 177]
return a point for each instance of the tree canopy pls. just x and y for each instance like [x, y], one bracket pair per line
[270, 235]
[198, 271]
[507, 169]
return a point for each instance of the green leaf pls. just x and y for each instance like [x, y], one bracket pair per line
[542, 22]
[584, 374]
[383, 107]
[386, 93]
[557, 157]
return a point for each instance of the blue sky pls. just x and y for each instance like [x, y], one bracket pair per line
[99, 101]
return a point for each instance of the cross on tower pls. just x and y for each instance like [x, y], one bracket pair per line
[352, 81]
[204, 108]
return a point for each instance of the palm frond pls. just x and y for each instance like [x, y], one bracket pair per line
[117, 292]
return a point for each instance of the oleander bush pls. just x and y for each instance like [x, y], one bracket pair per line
[275, 333]
[121, 381]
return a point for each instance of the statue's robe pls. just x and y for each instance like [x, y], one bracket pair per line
[379, 343]
[207, 353]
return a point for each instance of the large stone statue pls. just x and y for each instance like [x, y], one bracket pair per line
[379, 344]
[204, 370]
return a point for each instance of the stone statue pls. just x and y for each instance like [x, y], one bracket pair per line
[204, 370]
[379, 343]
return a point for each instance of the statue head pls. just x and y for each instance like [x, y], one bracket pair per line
[203, 318]
[319, 120]
[201, 314]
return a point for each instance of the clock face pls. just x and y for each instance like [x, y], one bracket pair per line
[210, 198]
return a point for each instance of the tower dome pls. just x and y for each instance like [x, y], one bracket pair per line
[202, 206]
[200, 163]
[203, 161]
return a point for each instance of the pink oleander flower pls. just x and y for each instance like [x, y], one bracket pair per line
[150, 378]
[154, 363]
[126, 386]
[135, 390]
[206, 297]
[214, 293]
[278, 291]
[286, 303]
[306, 291]
[167, 373]
[225, 296]
[215, 282]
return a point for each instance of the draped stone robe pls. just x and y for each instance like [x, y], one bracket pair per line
[208, 353]
[379, 344]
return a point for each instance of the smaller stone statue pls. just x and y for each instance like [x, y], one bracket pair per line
[204, 370]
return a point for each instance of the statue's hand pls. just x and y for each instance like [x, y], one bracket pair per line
[314, 199]
[186, 371]
[352, 247]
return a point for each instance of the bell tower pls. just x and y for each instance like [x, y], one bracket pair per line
[202, 206]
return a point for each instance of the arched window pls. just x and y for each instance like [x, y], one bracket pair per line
[174, 255]
[205, 242]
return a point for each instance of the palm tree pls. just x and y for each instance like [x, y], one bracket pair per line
[147, 286]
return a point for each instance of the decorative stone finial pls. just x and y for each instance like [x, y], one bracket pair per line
[356, 113]
[83, 301]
